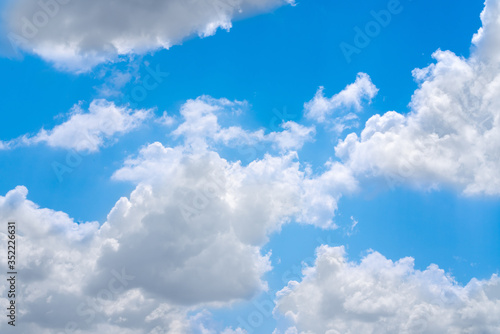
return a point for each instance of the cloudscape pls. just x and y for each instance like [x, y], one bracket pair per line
[250, 166]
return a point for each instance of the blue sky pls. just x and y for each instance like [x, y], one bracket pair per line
[274, 58]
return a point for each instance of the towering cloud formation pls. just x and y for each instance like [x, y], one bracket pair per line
[452, 135]
[188, 236]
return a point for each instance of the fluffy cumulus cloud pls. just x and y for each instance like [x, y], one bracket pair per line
[382, 296]
[487, 39]
[87, 131]
[154, 259]
[322, 108]
[78, 34]
[189, 236]
[294, 190]
[451, 137]
[201, 127]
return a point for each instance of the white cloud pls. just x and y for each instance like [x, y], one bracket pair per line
[290, 330]
[293, 136]
[487, 39]
[189, 236]
[352, 229]
[87, 131]
[261, 196]
[322, 193]
[168, 262]
[382, 296]
[165, 119]
[201, 127]
[79, 34]
[116, 80]
[451, 136]
[321, 108]
[57, 255]
[199, 324]
[201, 123]
[182, 217]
